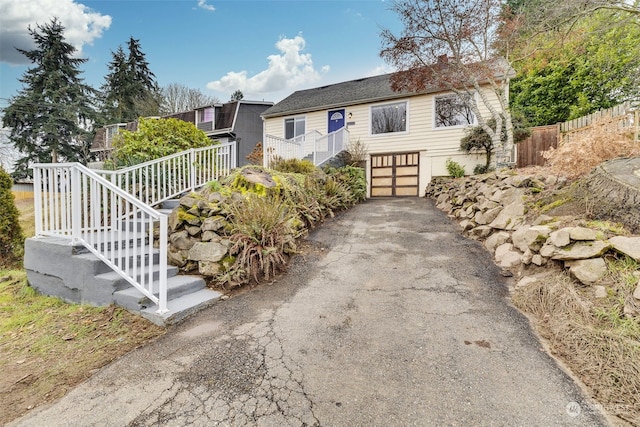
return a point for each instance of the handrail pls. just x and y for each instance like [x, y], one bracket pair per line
[294, 148]
[320, 147]
[329, 146]
[72, 201]
[161, 179]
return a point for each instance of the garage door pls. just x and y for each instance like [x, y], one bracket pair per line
[394, 174]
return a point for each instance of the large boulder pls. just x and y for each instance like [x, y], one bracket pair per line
[626, 245]
[587, 271]
[581, 250]
[208, 251]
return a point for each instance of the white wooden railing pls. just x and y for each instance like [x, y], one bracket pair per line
[74, 202]
[162, 179]
[313, 144]
[329, 145]
[111, 214]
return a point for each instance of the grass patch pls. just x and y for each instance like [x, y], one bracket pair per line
[48, 346]
[614, 228]
[27, 216]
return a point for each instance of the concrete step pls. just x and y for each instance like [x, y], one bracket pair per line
[177, 286]
[181, 307]
[170, 204]
[100, 267]
[113, 279]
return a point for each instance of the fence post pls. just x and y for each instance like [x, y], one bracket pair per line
[76, 205]
[162, 286]
[37, 199]
[192, 169]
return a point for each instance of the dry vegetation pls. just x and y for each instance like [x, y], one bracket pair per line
[587, 149]
[598, 338]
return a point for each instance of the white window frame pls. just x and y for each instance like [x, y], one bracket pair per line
[295, 119]
[390, 103]
[463, 125]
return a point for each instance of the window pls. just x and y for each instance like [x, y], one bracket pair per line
[206, 115]
[453, 110]
[389, 118]
[294, 127]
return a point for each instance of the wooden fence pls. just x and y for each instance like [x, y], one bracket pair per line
[625, 115]
[530, 150]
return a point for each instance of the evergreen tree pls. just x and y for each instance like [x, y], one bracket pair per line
[11, 237]
[116, 103]
[237, 95]
[130, 89]
[50, 117]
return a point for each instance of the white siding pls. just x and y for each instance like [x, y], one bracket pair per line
[435, 145]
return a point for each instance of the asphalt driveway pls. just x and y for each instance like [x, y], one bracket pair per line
[391, 318]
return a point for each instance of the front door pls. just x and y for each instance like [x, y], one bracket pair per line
[336, 120]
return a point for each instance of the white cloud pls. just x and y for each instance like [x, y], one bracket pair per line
[82, 25]
[203, 5]
[380, 70]
[287, 70]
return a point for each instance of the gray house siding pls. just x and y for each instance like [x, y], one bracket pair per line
[248, 129]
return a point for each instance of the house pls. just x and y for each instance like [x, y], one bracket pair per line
[408, 136]
[238, 121]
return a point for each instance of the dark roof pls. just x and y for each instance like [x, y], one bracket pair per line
[369, 89]
[226, 115]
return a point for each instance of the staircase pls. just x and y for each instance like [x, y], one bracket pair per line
[313, 146]
[98, 243]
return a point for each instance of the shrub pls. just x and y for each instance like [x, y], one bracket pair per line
[11, 237]
[587, 149]
[354, 178]
[476, 138]
[480, 169]
[455, 169]
[293, 166]
[356, 153]
[156, 138]
[255, 157]
[264, 233]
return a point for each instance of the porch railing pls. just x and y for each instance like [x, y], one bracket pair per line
[74, 202]
[162, 179]
[319, 148]
[110, 212]
[329, 145]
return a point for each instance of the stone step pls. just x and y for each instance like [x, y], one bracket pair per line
[181, 307]
[177, 286]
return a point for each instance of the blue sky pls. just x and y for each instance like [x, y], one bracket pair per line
[267, 49]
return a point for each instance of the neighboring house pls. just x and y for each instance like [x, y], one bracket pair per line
[409, 136]
[238, 121]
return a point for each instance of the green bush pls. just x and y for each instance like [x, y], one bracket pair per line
[480, 169]
[354, 178]
[156, 138]
[293, 166]
[267, 210]
[264, 233]
[11, 236]
[455, 169]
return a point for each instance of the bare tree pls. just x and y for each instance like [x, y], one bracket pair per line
[8, 153]
[178, 97]
[450, 44]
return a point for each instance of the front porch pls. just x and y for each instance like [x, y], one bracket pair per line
[312, 146]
